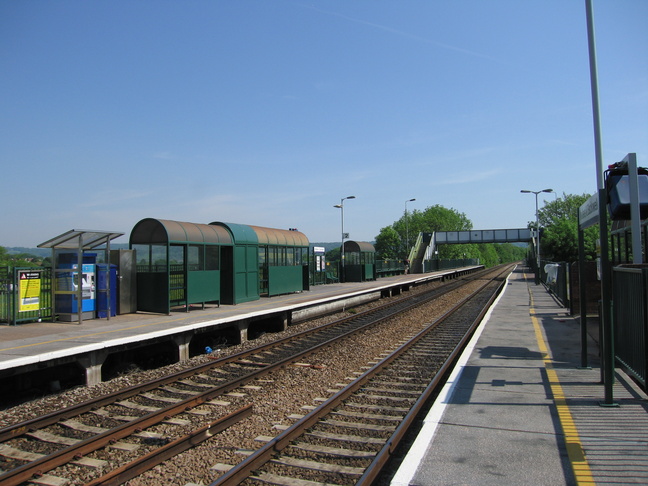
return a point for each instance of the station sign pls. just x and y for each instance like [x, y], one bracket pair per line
[588, 213]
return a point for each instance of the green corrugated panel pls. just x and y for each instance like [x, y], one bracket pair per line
[241, 233]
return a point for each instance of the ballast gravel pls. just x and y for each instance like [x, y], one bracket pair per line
[280, 394]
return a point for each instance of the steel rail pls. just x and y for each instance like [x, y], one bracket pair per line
[386, 453]
[21, 428]
[23, 473]
[158, 456]
[244, 469]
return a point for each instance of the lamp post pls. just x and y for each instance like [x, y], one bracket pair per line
[407, 224]
[537, 279]
[341, 206]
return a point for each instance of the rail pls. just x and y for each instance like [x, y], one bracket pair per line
[263, 360]
[255, 465]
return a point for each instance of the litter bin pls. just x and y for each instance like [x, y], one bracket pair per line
[106, 286]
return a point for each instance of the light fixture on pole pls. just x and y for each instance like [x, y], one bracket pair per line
[341, 207]
[537, 279]
[407, 224]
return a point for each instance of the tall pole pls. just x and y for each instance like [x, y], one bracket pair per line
[607, 349]
[341, 207]
[407, 225]
[537, 276]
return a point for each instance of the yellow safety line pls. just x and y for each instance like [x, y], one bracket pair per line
[580, 466]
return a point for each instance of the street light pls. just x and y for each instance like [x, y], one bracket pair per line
[341, 206]
[407, 224]
[537, 279]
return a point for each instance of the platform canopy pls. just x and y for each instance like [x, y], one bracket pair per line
[80, 239]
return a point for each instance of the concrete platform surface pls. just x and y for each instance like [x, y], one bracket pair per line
[519, 410]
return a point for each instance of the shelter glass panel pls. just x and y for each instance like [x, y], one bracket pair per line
[195, 258]
[176, 255]
[212, 260]
[151, 258]
[301, 256]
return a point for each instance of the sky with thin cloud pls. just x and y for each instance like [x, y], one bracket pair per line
[268, 113]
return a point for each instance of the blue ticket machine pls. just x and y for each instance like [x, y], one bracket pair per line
[67, 286]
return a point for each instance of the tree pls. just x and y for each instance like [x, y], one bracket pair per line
[391, 243]
[18, 260]
[560, 236]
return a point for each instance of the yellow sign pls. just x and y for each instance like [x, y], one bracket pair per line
[30, 290]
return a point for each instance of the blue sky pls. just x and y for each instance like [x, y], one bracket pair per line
[269, 112]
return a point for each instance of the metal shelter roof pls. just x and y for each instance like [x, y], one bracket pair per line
[80, 239]
[241, 234]
[359, 246]
[162, 231]
[271, 236]
[264, 236]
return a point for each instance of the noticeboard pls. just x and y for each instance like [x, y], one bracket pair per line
[29, 283]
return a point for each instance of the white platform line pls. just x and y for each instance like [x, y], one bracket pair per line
[423, 440]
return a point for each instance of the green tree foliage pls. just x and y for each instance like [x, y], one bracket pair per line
[18, 260]
[391, 243]
[333, 255]
[560, 236]
[4, 256]
[508, 252]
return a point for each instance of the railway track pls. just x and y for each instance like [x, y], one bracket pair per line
[186, 402]
[349, 438]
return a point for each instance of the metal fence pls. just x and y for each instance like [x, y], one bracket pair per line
[6, 293]
[630, 311]
[25, 294]
[389, 268]
[556, 277]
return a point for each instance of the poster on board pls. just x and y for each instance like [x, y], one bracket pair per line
[29, 290]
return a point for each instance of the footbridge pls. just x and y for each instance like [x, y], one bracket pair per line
[427, 243]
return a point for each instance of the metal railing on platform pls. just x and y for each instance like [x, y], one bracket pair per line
[630, 312]
[25, 294]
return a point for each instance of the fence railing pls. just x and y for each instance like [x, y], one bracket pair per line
[25, 294]
[555, 275]
[630, 311]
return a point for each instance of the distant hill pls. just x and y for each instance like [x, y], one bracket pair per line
[45, 252]
[40, 252]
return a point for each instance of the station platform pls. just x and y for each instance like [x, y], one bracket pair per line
[519, 410]
[30, 347]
